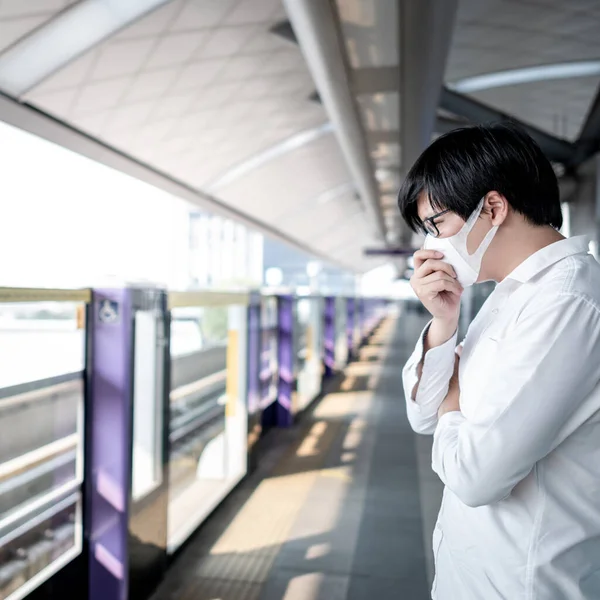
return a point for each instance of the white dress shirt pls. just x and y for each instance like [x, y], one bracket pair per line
[520, 515]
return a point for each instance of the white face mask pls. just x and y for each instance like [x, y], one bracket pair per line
[454, 248]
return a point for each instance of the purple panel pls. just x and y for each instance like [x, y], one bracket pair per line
[268, 369]
[329, 335]
[361, 318]
[108, 471]
[350, 326]
[286, 361]
[253, 355]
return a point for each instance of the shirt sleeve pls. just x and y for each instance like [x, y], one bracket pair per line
[438, 367]
[536, 395]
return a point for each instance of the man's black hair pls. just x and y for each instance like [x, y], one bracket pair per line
[462, 166]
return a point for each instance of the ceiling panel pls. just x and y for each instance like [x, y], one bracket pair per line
[20, 17]
[338, 240]
[194, 16]
[282, 191]
[495, 35]
[557, 106]
[198, 88]
[492, 36]
[341, 231]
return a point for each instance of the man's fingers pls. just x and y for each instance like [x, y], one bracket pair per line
[443, 285]
[421, 256]
[436, 276]
[432, 265]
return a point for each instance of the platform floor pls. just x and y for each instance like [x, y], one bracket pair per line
[340, 507]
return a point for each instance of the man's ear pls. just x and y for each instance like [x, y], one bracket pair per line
[497, 206]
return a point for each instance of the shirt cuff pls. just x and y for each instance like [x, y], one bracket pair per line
[445, 434]
[438, 367]
[440, 355]
[453, 418]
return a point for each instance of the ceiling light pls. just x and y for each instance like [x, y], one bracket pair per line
[66, 36]
[258, 160]
[587, 68]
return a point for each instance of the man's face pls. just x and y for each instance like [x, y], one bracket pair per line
[450, 223]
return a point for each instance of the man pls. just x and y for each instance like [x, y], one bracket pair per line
[514, 410]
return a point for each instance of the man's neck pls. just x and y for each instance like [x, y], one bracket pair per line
[523, 243]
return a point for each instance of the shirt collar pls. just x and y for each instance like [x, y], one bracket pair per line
[548, 256]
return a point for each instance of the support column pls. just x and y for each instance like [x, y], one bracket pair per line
[361, 319]
[350, 307]
[285, 414]
[126, 470]
[584, 204]
[109, 468]
[329, 335]
[269, 360]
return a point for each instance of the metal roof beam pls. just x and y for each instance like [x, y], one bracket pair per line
[588, 142]
[556, 149]
[381, 80]
[71, 33]
[316, 27]
[425, 30]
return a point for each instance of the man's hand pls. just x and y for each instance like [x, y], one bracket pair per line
[435, 284]
[451, 402]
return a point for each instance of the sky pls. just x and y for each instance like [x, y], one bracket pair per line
[66, 221]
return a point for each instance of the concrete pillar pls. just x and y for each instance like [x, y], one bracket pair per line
[584, 203]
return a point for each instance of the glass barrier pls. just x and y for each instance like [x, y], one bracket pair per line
[208, 418]
[341, 334]
[309, 366]
[42, 353]
[148, 387]
[253, 372]
[301, 319]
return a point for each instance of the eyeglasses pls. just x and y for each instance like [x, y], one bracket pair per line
[429, 227]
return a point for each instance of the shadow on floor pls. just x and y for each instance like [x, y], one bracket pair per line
[333, 510]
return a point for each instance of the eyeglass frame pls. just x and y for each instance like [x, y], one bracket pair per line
[429, 222]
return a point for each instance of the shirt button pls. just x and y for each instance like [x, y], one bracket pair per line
[495, 311]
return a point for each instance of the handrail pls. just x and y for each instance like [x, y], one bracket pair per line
[208, 430]
[17, 465]
[9, 295]
[193, 414]
[197, 386]
[38, 471]
[207, 298]
[57, 505]
[206, 418]
[26, 509]
[73, 382]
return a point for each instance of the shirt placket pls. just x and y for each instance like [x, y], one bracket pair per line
[500, 299]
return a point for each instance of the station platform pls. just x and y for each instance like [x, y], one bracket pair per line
[340, 507]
